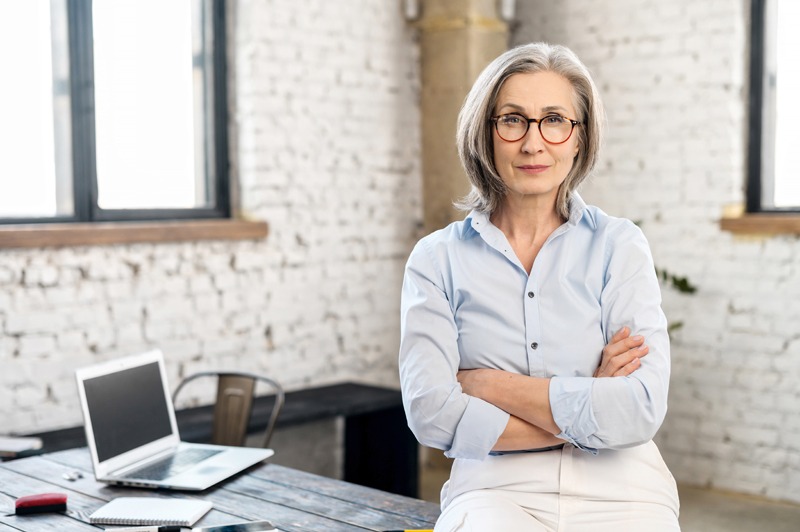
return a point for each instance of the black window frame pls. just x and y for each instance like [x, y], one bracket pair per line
[754, 186]
[84, 169]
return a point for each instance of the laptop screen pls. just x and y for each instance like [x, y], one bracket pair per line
[128, 409]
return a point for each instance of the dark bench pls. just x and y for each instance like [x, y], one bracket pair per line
[379, 449]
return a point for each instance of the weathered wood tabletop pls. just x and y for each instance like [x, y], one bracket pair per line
[292, 500]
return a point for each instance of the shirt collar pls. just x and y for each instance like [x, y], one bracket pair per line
[578, 212]
[476, 220]
[474, 223]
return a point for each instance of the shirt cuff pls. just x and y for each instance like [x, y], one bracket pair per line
[478, 430]
[571, 405]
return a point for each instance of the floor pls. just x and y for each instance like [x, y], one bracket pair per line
[702, 510]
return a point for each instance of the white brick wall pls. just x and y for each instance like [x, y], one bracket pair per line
[674, 79]
[315, 302]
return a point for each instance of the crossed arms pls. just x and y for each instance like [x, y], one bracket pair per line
[527, 399]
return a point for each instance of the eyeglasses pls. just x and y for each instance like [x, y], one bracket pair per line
[555, 129]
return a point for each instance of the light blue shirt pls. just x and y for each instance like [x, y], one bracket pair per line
[467, 302]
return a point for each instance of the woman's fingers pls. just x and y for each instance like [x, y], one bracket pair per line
[633, 363]
[620, 335]
[620, 343]
[621, 355]
[628, 368]
[624, 363]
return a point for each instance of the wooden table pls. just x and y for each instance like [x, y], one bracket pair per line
[292, 500]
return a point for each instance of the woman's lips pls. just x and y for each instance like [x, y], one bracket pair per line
[533, 168]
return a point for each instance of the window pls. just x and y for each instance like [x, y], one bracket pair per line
[116, 111]
[774, 159]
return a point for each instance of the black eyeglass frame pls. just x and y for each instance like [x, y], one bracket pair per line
[538, 122]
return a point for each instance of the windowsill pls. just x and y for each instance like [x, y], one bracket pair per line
[762, 224]
[106, 233]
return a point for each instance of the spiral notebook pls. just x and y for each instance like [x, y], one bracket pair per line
[150, 511]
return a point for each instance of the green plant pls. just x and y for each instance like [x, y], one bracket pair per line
[680, 284]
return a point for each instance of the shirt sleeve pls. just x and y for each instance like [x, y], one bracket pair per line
[439, 414]
[619, 412]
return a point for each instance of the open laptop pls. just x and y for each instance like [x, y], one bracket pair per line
[132, 433]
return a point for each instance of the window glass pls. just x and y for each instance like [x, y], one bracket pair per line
[149, 70]
[35, 159]
[786, 76]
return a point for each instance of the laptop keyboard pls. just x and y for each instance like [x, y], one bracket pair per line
[172, 465]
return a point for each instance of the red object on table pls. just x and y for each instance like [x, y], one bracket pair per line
[41, 502]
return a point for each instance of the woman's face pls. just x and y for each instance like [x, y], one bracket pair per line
[531, 166]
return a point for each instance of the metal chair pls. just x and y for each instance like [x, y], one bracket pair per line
[235, 393]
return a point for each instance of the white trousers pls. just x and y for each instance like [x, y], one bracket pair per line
[564, 490]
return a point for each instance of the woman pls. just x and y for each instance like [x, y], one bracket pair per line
[516, 354]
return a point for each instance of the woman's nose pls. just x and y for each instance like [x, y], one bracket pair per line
[533, 141]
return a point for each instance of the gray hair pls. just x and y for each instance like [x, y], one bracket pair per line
[474, 133]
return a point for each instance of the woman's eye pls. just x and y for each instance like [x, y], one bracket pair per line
[511, 120]
[553, 120]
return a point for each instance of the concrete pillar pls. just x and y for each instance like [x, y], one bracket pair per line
[458, 39]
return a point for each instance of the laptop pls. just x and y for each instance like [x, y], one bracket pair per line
[132, 434]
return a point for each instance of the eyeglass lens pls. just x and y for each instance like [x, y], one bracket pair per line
[554, 128]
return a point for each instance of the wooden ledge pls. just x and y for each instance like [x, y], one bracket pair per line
[105, 233]
[762, 224]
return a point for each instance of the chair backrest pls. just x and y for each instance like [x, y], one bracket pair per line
[235, 392]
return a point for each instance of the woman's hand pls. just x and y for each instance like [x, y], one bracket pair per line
[621, 355]
[470, 381]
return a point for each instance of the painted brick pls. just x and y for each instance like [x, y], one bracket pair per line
[33, 322]
[7, 275]
[37, 346]
[28, 396]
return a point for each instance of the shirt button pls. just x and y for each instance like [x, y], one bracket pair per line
[534, 345]
[530, 294]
